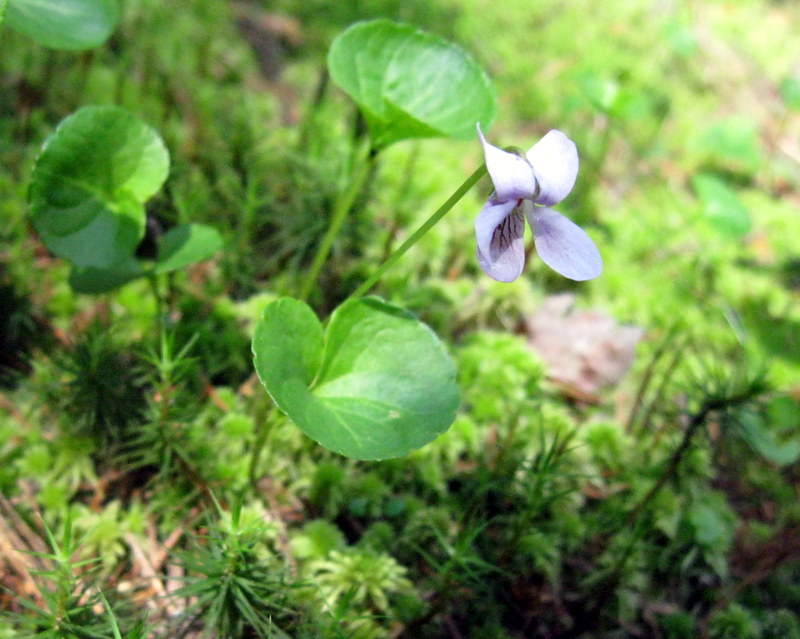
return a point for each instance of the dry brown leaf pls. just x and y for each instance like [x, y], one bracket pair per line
[583, 350]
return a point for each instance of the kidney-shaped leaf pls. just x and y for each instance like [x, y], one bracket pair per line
[186, 244]
[376, 384]
[90, 182]
[410, 83]
[64, 24]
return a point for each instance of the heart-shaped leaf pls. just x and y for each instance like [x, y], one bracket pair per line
[409, 83]
[186, 244]
[376, 384]
[90, 182]
[64, 24]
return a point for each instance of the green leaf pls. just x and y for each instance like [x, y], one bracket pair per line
[732, 145]
[318, 538]
[186, 244]
[409, 83]
[601, 92]
[681, 38]
[714, 524]
[790, 93]
[90, 182]
[774, 441]
[377, 384]
[721, 207]
[3, 7]
[100, 280]
[64, 24]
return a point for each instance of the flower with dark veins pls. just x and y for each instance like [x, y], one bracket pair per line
[526, 186]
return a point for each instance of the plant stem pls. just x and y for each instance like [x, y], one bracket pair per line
[608, 586]
[308, 122]
[341, 208]
[264, 429]
[153, 281]
[695, 423]
[422, 230]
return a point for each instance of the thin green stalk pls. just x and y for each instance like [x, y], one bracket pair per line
[308, 122]
[340, 210]
[264, 429]
[608, 586]
[152, 279]
[422, 230]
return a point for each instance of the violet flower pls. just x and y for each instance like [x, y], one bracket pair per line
[527, 186]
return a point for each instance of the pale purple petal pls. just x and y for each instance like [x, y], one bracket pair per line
[563, 245]
[511, 174]
[555, 164]
[499, 230]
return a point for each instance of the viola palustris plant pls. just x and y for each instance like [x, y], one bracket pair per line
[432, 455]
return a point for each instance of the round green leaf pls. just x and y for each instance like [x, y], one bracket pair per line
[90, 182]
[186, 244]
[377, 384]
[64, 24]
[409, 83]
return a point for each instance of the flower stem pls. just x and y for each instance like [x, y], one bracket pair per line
[263, 430]
[341, 208]
[422, 230]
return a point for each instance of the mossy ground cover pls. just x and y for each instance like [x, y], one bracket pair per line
[624, 460]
